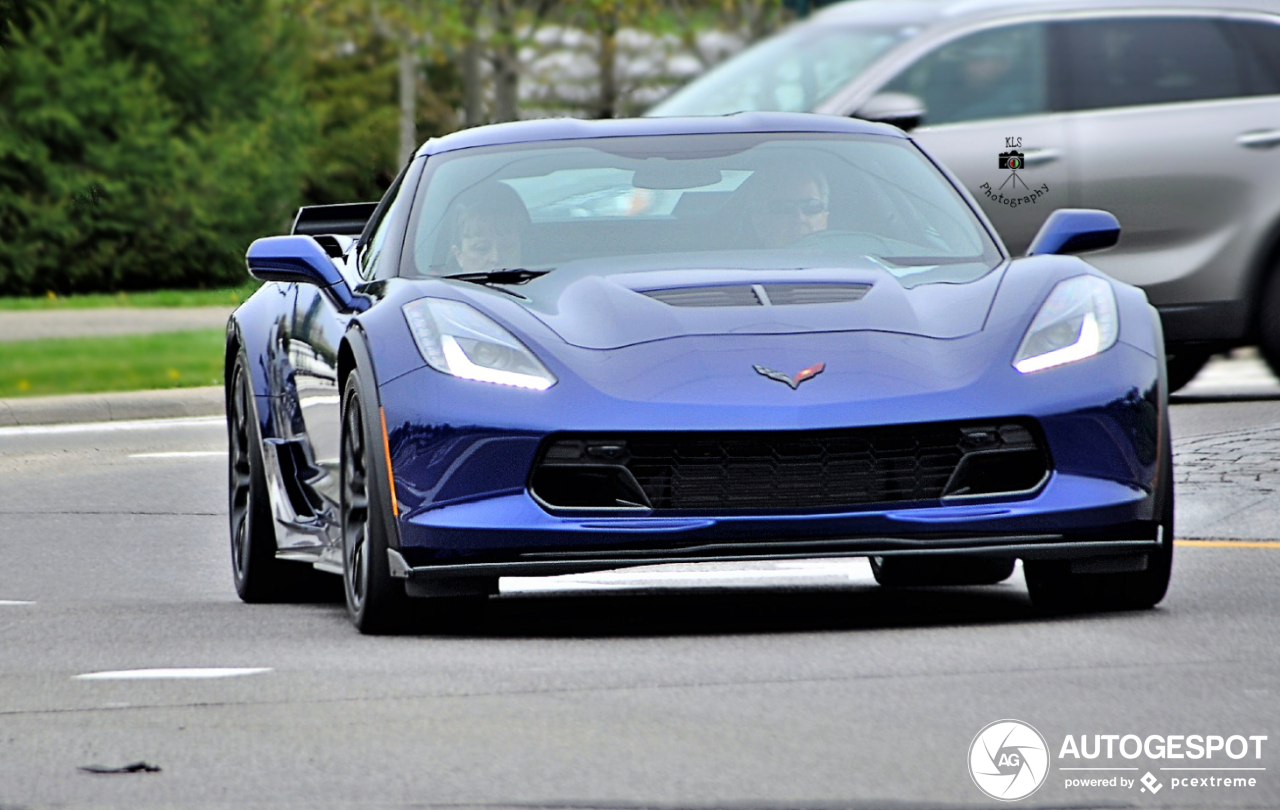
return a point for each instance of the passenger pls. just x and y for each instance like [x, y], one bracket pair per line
[787, 204]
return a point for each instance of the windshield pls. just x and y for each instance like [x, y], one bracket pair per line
[739, 200]
[792, 72]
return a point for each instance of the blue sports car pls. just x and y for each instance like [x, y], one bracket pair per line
[566, 346]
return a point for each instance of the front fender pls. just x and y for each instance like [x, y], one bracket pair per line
[260, 329]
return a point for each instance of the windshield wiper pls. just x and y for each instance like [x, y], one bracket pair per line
[514, 275]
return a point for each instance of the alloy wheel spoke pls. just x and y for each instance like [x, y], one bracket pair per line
[355, 505]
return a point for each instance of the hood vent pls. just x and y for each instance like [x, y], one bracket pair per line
[736, 295]
[756, 295]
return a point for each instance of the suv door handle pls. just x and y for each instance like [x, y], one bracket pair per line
[1036, 157]
[1260, 138]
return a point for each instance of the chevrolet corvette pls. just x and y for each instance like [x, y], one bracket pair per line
[566, 346]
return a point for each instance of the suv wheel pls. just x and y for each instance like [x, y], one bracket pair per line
[1269, 321]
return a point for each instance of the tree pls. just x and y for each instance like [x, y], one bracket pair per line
[14, 14]
[144, 144]
[372, 110]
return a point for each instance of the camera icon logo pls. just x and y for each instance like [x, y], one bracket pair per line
[1012, 160]
[1008, 760]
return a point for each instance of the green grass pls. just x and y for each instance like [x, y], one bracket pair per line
[229, 296]
[96, 364]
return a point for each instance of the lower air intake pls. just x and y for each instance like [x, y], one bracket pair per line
[737, 471]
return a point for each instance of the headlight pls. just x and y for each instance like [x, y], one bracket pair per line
[458, 339]
[1077, 320]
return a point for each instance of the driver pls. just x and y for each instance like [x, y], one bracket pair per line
[788, 203]
[485, 231]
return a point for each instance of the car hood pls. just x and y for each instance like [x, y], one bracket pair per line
[594, 311]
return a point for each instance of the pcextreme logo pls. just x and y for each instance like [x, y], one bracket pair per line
[1008, 760]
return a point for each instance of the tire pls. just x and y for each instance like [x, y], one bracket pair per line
[258, 575]
[1055, 589]
[1184, 364]
[1269, 322]
[376, 603]
[946, 569]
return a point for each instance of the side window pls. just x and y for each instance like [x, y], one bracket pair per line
[384, 217]
[996, 73]
[1261, 54]
[1127, 62]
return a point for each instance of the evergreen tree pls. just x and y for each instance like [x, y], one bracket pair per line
[144, 144]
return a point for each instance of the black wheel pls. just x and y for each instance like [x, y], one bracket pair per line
[259, 576]
[1184, 364]
[946, 569]
[1054, 588]
[376, 602]
[1269, 322]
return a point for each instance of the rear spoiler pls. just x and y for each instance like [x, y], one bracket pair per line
[346, 219]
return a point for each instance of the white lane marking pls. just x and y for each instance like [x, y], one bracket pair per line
[159, 674]
[112, 427]
[13, 603]
[182, 454]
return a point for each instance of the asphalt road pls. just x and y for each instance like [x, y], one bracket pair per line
[761, 686]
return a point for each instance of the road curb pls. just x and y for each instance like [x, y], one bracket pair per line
[113, 407]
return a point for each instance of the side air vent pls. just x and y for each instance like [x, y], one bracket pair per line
[756, 295]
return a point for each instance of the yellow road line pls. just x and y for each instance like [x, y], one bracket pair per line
[1229, 543]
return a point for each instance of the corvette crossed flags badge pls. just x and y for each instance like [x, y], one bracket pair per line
[802, 375]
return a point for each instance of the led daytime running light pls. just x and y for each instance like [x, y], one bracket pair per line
[457, 339]
[1085, 346]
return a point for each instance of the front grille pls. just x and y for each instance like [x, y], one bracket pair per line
[789, 469]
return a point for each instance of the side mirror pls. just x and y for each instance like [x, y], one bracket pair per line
[298, 260]
[291, 259]
[903, 110]
[1076, 230]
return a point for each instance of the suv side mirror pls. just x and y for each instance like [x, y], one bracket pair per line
[903, 110]
[1076, 230]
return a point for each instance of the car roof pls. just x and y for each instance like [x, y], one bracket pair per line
[930, 12]
[568, 129]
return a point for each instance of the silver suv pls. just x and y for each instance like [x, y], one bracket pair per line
[1166, 114]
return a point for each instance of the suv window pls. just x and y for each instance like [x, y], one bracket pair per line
[1262, 54]
[1128, 62]
[996, 73]
[793, 72]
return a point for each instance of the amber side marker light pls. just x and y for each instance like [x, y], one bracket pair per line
[386, 448]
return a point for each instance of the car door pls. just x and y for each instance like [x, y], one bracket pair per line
[1161, 128]
[316, 334]
[989, 100]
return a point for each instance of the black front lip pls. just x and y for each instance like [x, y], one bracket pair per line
[552, 563]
